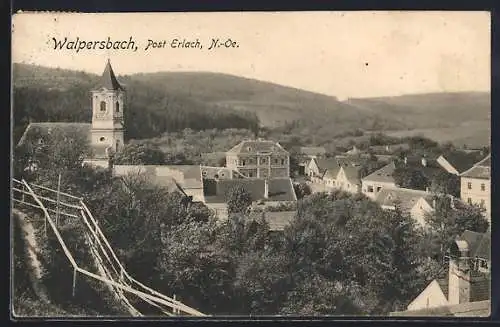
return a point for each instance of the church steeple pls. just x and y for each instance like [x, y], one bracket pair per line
[108, 106]
[108, 79]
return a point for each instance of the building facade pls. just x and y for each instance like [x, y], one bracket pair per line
[259, 159]
[475, 185]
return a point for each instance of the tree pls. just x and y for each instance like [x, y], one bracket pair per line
[446, 183]
[409, 177]
[302, 190]
[140, 154]
[451, 218]
[238, 199]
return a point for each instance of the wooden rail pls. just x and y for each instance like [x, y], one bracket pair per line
[112, 271]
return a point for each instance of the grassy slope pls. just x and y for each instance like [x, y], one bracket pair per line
[275, 104]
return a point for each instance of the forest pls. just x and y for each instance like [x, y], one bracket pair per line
[341, 255]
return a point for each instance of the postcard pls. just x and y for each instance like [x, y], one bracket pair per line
[248, 164]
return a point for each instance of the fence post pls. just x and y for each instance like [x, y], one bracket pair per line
[74, 281]
[58, 199]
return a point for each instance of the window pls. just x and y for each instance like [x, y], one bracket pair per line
[276, 161]
[263, 160]
[483, 264]
[204, 173]
[282, 161]
[103, 105]
[102, 139]
[243, 162]
[379, 188]
[250, 174]
[117, 106]
[469, 185]
[482, 203]
[222, 174]
[469, 200]
[483, 187]
[370, 189]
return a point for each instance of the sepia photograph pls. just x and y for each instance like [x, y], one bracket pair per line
[251, 164]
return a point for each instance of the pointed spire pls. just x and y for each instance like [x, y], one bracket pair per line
[108, 79]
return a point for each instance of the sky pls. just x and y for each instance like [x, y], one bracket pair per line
[344, 54]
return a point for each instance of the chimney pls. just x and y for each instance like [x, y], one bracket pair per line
[266, 188]
[459, 274]
[424, 162]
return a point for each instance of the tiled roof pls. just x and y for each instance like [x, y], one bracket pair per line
[277, 220]
[469, 309]
[479, 244]
[352, 174]
[185, 176]
[255, 146]
[481, 170]
[280, 189]
[480, 285]
[44, 129]
[384, 174]
[108, 79]
[460, 160]
[406, 198]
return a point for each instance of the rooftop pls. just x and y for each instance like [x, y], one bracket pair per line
[479, 244]
[108, 79]
[469, 309]
[481, 170]
[461, 160]
[406, 198]
[257, 146]
[383, 174]
[280, 189]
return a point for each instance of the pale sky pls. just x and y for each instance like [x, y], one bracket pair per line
[344, 54]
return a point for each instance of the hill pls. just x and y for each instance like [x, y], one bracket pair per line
[172, 101]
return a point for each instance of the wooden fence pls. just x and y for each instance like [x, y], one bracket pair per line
[111, 271]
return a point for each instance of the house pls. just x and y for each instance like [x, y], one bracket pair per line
[416, 203]
[382, 178]
[470, 309]
[457, 162]
[259, 159]
[467, 282]
[348, 179]
[209, 172]
[263, 192]
[475, 185]
[353, 151]
[186, 177]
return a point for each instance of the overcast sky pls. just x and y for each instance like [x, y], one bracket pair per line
[345, 54]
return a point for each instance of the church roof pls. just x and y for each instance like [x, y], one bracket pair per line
[108, 79]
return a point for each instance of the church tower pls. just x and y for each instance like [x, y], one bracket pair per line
[107, 112]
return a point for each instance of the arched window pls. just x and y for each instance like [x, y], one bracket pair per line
[102, 139]
[103, 105]
[117, 106]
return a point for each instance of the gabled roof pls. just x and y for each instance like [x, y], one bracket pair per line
[469, 309]
[151, 174]
[481, 170]
[460, 160]
[383, 175]
[185, 176]
[257, 146]
[405, 198]
[352, 174]
[108, 79]
[280, 189]
[277, 220]
[44, 129]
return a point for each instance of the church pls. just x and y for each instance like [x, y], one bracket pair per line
[260, 166]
